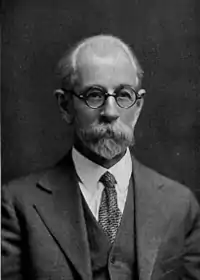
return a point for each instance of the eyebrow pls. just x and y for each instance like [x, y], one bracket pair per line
[103, 87]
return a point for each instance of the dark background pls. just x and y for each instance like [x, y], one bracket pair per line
[165, 35]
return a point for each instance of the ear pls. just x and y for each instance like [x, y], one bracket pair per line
[65, 103]
[139, 105]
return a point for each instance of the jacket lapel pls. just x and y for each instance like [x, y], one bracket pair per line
[150, 221]
[63, 215]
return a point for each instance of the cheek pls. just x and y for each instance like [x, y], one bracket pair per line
[128, 117]
[84, 115]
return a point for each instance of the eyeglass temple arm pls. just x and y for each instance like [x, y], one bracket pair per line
[63, 90]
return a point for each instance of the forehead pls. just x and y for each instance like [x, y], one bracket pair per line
[108, 68]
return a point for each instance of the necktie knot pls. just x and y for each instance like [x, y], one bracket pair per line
[108, 180]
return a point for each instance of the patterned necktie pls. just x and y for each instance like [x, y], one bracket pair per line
[109, 213]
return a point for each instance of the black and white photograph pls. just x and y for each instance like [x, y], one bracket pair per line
[100, 140]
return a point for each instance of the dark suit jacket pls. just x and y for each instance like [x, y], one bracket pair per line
[44, 235]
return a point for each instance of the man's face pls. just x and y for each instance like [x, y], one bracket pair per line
[107, 131]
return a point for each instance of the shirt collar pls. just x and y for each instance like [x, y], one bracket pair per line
[90, 172]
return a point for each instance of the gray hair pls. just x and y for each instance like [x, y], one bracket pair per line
[67, 66]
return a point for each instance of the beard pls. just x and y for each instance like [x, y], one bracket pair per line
[107, 140]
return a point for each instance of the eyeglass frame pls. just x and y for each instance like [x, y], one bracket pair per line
[82, 96]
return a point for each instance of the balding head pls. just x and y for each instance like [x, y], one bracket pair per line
[98, 47]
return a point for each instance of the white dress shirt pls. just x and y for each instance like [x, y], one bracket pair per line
[90, 173]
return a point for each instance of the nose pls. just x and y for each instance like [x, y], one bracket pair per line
[110, 111]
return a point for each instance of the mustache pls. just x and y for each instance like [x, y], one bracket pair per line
[117, 131]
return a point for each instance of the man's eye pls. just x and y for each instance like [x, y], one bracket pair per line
[95, 95]
[125, 94]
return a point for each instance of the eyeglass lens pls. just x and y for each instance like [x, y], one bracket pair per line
[125, 97]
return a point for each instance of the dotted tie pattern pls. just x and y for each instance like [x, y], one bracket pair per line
[109, 213]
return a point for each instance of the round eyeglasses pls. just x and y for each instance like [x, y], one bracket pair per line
[95, 96]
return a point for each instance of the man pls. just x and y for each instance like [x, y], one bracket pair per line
[99, 213]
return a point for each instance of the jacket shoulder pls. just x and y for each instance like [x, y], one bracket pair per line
[160, 181]
[172, 197]
[25, 186]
